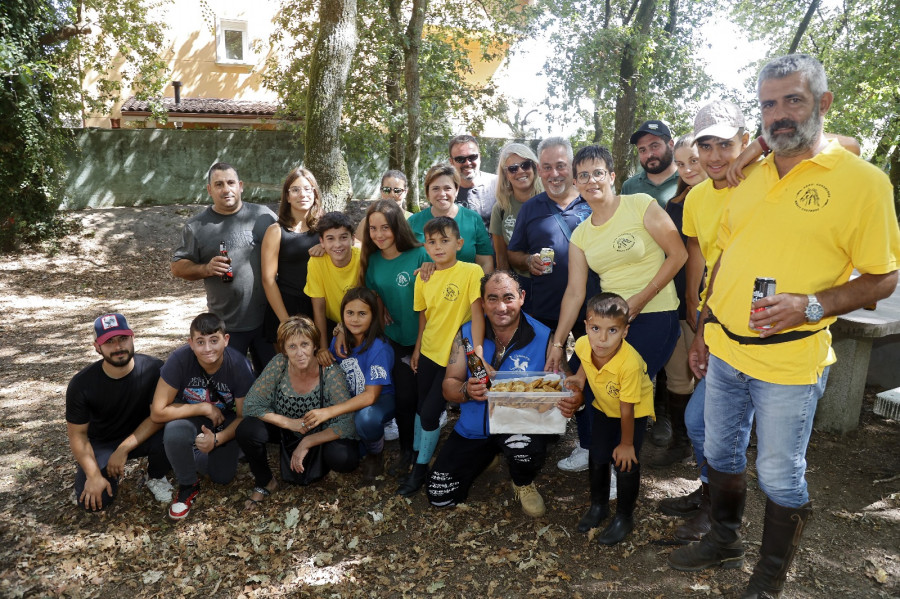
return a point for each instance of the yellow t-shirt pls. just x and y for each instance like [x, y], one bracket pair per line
[324, 279]
[623, 378]
[703, 209]
[624, 254]
[809, 230]
[447, 299]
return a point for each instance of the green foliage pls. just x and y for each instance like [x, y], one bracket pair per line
[368, 114]
[43, 57]
[584, 76]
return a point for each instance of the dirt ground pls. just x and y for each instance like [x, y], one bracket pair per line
[338, 539]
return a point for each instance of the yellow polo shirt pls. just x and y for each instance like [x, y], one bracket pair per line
[623, 378]
[703, 209]
[447, 299]
[324, 279]
[830, 214]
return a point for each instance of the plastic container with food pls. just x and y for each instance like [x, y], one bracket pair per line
[525, 402]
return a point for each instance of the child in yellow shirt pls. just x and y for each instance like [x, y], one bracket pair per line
[450, 298]
[623, 398]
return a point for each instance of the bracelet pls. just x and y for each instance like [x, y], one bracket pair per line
[652, 282]
[558, 345]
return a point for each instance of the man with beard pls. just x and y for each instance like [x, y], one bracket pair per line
[659, 177]
[108, 417]
[513, 341]
[477, 189]
[806, 216]
[547, 221]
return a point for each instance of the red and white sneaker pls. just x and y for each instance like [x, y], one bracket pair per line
[182, 505]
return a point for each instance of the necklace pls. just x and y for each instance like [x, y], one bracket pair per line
[500, 344]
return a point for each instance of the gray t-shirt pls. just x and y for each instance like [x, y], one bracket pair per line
[241, 303]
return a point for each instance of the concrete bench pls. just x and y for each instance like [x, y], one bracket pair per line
[853, 334]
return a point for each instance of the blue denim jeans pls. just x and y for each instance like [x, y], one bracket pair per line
[693, 420]
[370, 420]
[784, 420]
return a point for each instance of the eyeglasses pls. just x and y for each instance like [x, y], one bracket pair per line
[397, 190]
[525, 165]
[464, 159]
[296, 190]
[584, 176]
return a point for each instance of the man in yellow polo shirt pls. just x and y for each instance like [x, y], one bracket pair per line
[806, 216]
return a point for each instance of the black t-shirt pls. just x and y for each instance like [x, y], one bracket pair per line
[112, 408]
[230, 382]
[462, 196]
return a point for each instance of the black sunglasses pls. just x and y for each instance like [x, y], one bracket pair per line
[465, 159]
[525, 165]
[397, 190]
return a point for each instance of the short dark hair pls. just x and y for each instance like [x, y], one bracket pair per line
[396, 175]
[501, 273]
[441, 225]
[462, 139]
[608, 305]
[334, 220]
[593, 153]
[220, 166]
[207, 324]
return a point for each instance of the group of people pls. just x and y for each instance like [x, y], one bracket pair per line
[657, 283]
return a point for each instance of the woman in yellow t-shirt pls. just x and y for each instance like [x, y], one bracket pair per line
[635, 248]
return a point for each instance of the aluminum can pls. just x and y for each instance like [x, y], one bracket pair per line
[762, 287]
[547, 255]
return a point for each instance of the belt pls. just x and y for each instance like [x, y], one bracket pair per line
[779, 338]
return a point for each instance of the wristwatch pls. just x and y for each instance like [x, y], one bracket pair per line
[814, 310]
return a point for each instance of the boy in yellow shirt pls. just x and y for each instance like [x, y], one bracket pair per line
[329, 277]
[623, 398]
[450, 298]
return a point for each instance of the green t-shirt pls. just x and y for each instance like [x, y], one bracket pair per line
[394, 282]
[662, 193]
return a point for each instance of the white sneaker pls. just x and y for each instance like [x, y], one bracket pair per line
[613, 491]
[443, 419]
[161, 489]
[391, 432]
[576, 462]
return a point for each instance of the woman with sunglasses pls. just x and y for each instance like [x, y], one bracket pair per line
[285, 250]
[393, 187]
[517, 182]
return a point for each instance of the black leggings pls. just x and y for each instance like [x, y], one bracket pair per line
[431, 396]
[405, 394]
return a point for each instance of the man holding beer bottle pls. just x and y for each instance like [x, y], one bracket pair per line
[514, 341]
[221, 246]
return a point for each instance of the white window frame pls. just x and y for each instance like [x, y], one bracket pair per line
[223, 25]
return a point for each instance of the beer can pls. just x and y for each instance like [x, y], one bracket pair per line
[547, 255]
[762, 287]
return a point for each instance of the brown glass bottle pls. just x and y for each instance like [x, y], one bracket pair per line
[476, 366]
[228, 277]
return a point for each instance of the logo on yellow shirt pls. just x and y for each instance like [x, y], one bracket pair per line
[623, 242]
[612, 389]
[451, 293]
[812, 197]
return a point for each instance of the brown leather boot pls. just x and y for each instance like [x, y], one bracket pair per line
[699, 525]
[685, 506]
[781, 538]
[721, 546]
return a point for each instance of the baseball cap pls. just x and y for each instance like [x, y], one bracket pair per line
[719, 119]
[658, 128]
[110, 325]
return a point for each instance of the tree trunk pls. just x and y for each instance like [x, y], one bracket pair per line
[626, 102]
[413, 99]
[804, 24]
[328, 71]
[394, 91]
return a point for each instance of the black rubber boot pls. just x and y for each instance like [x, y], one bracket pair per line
[722, 545]
[599, 476]
[400, 468]
[661, 430]
[629, 484]
[680, 447]
[685, 506]
[372, 467]
[414, 481]
[781, 538]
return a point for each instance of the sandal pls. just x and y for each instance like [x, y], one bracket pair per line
[251, 503]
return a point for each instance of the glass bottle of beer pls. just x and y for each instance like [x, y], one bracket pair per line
[476, 366]
[228, 277]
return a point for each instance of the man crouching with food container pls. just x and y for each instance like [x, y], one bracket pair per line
[519, 418]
